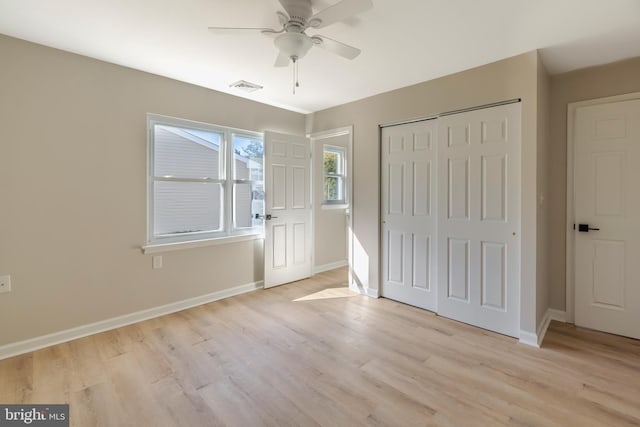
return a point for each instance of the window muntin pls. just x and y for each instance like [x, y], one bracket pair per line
[191, 194]
[334, 175]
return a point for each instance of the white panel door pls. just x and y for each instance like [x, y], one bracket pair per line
[287, 244]
[479, 218]
[408, 214]
[607, 197]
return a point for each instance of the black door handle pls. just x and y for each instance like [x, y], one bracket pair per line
[267, 216]
[584, 228]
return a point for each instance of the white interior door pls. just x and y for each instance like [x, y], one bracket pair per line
[287, 245]
[479, 218]
[607, 197]
[409, 214]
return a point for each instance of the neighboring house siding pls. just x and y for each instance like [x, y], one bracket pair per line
[180, 157]
[242, 171]
[182, 207]
[243, 205]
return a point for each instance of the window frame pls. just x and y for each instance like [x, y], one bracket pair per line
[232, 181]
[342, 153]
[225, 178]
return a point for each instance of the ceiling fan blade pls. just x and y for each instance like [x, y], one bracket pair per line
[282, 60]
[288, 6]
[337, 47]
[338, 12]
[264, 30]
[297, 9]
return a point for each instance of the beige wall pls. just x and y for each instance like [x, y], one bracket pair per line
[330, 225]
[591, 83]
[546, 241]
[511, 78]
[73, 190]
[73, 179]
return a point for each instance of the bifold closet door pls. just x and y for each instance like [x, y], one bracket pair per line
[479, 218]
[409, 213]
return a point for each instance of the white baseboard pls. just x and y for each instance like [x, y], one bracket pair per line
[21, 347]
[558, 315]
[535, 340]
[331, 266]
[369, 292]
[551, 314]
[529, 338]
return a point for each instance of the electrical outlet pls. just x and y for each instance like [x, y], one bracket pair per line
[5, 284]
[157, 262]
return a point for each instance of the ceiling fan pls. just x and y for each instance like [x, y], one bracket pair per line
[291, 40]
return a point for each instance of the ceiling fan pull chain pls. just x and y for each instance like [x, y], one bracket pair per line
[296, 84]
[293, 69]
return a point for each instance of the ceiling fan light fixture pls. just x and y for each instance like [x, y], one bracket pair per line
[293, 44]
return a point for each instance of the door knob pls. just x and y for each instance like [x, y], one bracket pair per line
[584, 228]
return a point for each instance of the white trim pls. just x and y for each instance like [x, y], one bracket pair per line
[557, 315]
[451, 112]
[175, 246]
[542, 328]
[368, 292]
[325, 207]
[21, 347]
[346, 130]
[536, 339]
[373, 293]
[551, 314]
[529, 338]
[571, 111]
[331, 266]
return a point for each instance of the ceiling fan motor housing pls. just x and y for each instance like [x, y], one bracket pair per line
[294, 45]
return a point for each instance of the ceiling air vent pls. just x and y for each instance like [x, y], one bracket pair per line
[246, 86]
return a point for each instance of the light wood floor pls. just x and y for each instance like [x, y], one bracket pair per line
[310, 353]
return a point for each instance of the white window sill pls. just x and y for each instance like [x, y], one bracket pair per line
[176, 246]
[330, 207]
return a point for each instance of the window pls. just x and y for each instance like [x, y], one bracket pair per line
[334, 176]
[205, 181]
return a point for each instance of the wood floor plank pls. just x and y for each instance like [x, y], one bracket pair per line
[311, 353]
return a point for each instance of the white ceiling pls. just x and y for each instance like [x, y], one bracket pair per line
[403, 41]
